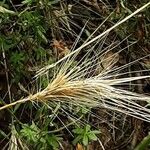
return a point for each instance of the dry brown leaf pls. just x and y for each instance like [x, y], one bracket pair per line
[79, 147]
[60, 48]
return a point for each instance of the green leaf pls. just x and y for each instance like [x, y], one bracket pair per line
[96, 132]
[27, 1]
[42, 36]
[92, 136]
[30, 132]
[16, 108]
[17, 58]
[85, 140]
[87, 128]
[52, 2]
[4, 10]
[78, 130]
[40, 53]
[144, 143]
[84, 110]
[53, 141]
[77, 139]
